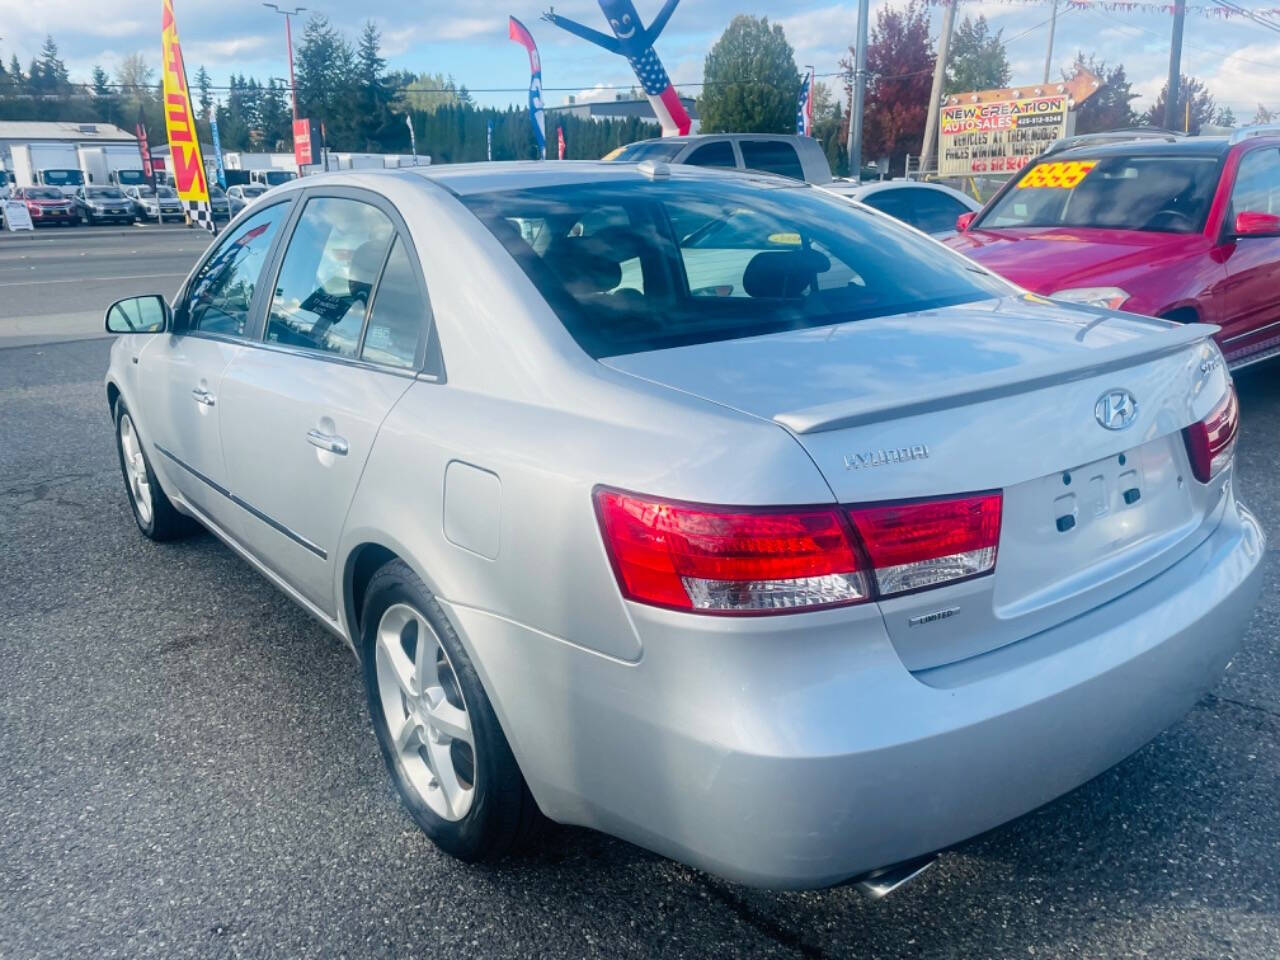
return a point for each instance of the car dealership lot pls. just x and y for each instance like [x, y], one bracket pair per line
[188, 767]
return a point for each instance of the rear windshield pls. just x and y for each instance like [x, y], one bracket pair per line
[648, 150]
[1165, 194]
[635, 266]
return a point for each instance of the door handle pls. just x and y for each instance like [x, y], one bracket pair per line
[328, 441]
[203, 396]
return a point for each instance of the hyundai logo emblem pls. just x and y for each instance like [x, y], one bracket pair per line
[1116, 409]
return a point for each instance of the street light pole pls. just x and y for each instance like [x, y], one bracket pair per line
[859, 93]
[1175, 66]
[288, 36]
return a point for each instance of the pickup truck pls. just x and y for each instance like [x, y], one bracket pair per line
[791, 156]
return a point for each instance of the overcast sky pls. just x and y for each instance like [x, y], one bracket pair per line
[1240, 62]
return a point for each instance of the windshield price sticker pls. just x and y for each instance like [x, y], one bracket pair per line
[1062, 175]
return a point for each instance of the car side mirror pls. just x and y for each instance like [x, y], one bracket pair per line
[150, 314]
[1253, 223]
[963, 221]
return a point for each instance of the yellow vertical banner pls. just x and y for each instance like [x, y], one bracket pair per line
[186, 163]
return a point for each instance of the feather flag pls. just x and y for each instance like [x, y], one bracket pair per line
[804, 107]
[180, 124]
[518, 32]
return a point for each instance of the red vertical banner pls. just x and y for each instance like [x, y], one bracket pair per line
[303, 148]
[560, 141]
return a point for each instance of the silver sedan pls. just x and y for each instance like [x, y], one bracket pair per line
[698, 507]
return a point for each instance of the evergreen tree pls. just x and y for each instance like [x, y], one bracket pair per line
[977, 59]
[54, 78]
[1196, 106]
[375, 96]
[325, 70]
[205, 86]
[1111, 106]
[750, 80]
[1225, 117]
[16, 76]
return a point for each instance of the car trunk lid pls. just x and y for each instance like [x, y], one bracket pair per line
[996, 395]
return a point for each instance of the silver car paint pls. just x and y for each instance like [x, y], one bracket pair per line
[786, 751]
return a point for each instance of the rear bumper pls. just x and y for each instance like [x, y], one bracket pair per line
[799, 752]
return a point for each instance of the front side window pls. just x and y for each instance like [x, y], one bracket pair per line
[717, 153]
[334, 257]
[1257, 188]
[632, 265]
[771, 156]
[935, 212]
[222, 291]
[1165, 193]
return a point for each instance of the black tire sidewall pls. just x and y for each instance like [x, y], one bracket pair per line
[479, 834]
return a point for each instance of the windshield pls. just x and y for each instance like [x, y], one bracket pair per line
[145, 191]
[277, 177]
[130, 177]
[44, 193]
[62, 178]
[105, 193]
[648, 150]
[633, 266]
[1167, 194]
[253, 191]
[166, 192]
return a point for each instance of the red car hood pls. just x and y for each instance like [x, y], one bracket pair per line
[1046, 259]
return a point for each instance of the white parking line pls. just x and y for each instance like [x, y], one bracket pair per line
[138, 276]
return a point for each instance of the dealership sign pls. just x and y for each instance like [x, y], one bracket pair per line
[997, 132]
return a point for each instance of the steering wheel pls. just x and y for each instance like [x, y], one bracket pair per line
[1179, 218]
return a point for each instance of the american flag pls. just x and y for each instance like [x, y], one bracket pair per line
[804, 107]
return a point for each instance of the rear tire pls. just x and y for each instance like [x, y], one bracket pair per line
[442, 743]
[156, 516]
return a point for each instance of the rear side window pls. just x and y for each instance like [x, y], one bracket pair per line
[326, 279]
[718, 153]
[771, 156]
[633, 265]
[222, 291]
[398, 315]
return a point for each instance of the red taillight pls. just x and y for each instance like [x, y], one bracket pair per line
[762, 560]
[1212, 441]
[923, 543]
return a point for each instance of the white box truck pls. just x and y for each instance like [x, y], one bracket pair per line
[117, 164]
[47, 165]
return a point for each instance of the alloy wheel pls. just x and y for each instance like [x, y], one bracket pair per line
[135, 466]
[426, 715]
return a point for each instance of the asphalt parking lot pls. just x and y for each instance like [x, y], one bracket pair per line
[187, 766]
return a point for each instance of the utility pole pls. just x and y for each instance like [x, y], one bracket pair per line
[1053, 27]
[1175, 66]
[859, 93]
[288, 37]
[939, 74]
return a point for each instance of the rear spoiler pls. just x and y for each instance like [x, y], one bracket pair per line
[991, 386]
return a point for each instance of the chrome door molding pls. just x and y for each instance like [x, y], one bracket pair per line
[243, 504]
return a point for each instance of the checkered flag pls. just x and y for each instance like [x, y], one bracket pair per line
[201, 214]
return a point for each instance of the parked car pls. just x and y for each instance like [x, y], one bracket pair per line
[219, 202]
[103, 205]
[800, 158]
[1186, 228]
[150, 203]
[826, 560]
[240, 196]
[931, 208]
[48, 206]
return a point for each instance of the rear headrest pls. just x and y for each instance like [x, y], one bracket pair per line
[783, 273]
[583, 267]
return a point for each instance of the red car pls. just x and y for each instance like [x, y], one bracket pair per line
[47, 205]
[1186, 228]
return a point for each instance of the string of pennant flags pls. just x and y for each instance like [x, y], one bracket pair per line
[1209, 11]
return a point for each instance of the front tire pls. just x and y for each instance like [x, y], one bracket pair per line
[156, 516]
[443, 746]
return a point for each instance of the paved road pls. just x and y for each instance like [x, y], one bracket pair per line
[187, 769]
[56, 282]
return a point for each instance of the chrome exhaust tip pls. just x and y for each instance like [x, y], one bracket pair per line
[878, 884]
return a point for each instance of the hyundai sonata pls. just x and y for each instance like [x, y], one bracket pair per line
[698, 507]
